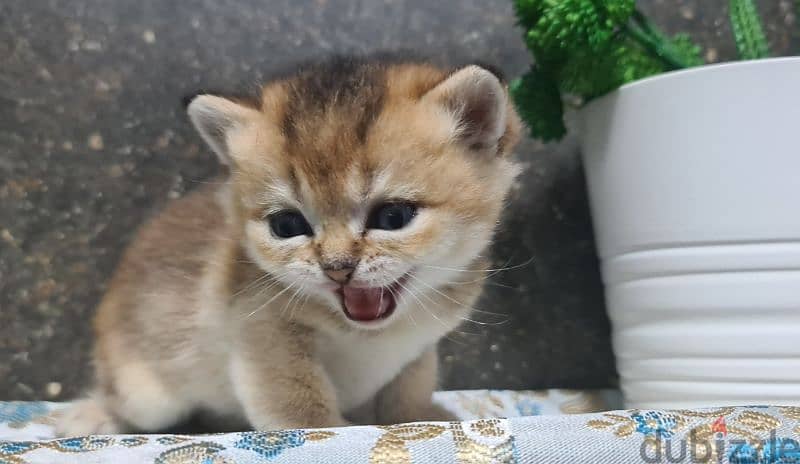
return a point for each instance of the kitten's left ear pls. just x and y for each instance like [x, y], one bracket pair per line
[215, 117]
[478, 102]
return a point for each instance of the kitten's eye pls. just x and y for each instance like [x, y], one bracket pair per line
[391, 216]
[286, 224]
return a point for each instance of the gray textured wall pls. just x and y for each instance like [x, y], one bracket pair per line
[92, 139]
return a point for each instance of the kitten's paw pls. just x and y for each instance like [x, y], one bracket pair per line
[429, 413]
[309, 422]
[438, 413]
[86, 417]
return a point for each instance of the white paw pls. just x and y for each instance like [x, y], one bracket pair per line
[86, 417]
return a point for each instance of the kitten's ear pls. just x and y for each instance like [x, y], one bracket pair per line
[478, 102]
[214, 117]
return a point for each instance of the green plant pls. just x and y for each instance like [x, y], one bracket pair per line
[586, 48]
[747, 31]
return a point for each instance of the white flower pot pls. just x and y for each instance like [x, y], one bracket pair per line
[694, 180]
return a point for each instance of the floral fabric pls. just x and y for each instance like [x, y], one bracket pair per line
[497, 427]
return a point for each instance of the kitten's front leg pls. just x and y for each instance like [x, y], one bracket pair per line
[279, 383]
[408, 398]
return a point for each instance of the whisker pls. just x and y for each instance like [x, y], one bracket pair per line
[271, 299]
[486, 277]
[439, 306]
[422, 305]
[413, 295]
[201, 181]
[294, 295]
[264, 289]
[458, 303]
[419, 303]
[396, 296]
[303, 305]
[293, 301]
[498, 284]
[500, 269]
[256, 282]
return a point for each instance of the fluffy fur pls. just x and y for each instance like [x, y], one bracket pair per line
[209, 310]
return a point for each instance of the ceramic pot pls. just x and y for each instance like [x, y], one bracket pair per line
[694, 183]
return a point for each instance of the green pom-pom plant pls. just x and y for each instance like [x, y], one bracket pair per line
[586, 48]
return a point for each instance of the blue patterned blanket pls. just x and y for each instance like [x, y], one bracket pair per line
[553, 426]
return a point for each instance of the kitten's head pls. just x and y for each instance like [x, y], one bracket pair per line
[364, 184]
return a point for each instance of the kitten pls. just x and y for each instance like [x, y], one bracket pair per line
[309, 287]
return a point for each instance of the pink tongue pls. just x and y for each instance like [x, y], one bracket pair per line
[366, 304]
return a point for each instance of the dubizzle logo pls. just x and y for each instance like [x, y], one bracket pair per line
[720, 448]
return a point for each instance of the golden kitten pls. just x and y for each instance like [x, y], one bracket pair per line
[309, 287]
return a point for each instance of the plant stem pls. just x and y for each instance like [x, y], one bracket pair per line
[796, 13]
[747, 30]
[653, 41]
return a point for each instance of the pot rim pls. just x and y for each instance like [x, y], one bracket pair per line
[686, 73]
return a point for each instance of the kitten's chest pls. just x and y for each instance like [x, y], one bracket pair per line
[359, 366]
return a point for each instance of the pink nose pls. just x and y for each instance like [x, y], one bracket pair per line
[341, 276]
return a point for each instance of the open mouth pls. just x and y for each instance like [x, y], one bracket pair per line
[369, 304]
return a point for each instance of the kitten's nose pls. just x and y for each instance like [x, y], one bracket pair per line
[340, 272]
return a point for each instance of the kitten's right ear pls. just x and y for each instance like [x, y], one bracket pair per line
[478, 101]
[214, 117]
